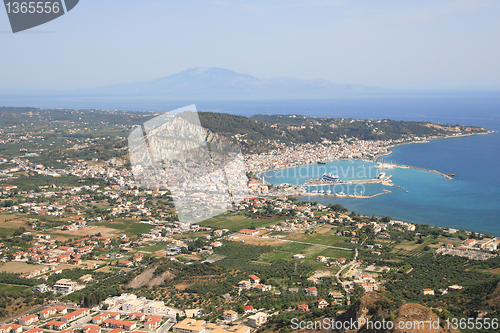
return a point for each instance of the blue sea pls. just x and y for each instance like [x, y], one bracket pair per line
[470, 201]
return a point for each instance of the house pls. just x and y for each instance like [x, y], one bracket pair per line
[64, 285]
[63, 258]
[85, 278]
[98, 319]
[298, 256]
[152, 322]
[454, 288]
[321, 259]
[12, 328]
[369, 286]
[245, 284]
[321, 303]
[91, 329]
[92, 265]
[230, 315]
[470, 242]
[55, 325]
[126, 263]
[137, 316]
[336, 295]
[52, 311]
[427, 292]
[248, 308]
[35, 330]
[367, 278]
[74, 315]
[113, 323]
[28, 320]
[249, 232]
[312, 291]
[264, 287]
[257, 319]
[303, 307]
[255, 279]
[40, 288]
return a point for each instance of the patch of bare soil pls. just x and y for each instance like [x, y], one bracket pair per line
[257, 240]
[90, 230]
[148, 278]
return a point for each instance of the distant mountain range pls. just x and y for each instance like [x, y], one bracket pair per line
[218, 83]
[223, 83]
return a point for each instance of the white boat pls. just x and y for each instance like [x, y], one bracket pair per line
[381, 165]
[331, 177]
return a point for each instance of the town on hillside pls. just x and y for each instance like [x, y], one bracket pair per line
[84, 249]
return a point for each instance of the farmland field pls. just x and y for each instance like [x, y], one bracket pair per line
[237, 222]
[130, 228]
[18, 267]
[12, 288]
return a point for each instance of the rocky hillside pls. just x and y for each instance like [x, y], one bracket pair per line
[374, 306]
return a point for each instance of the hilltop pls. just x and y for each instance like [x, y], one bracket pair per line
[256, 134]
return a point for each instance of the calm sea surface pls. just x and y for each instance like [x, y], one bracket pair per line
[470, 201]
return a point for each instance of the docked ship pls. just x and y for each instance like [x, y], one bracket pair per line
[381, 165]
[330, 177]
[381, 175]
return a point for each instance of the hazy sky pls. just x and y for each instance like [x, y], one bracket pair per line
[390, 44]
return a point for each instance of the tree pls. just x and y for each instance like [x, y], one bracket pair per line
[19, 231]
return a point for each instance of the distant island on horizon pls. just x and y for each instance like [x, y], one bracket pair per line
[215, 83]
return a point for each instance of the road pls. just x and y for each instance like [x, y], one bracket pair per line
[22, 315]
[351, 263]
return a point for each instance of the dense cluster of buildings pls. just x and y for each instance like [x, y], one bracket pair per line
[312, 153]
[473, 249]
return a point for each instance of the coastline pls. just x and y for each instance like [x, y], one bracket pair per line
[343, 195]
[389, 152]
[310, 197]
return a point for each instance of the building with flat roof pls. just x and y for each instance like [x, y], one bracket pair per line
[189, 325]
[220, 328]
[133, 306]
[230, 315]
[200, 326]
[154, 308]
[257, 319]
[64, 285]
